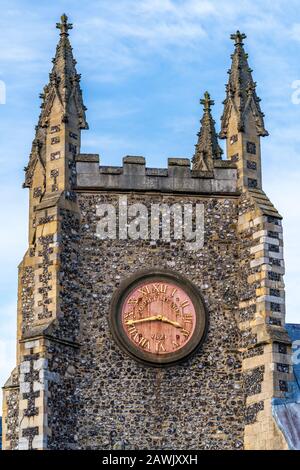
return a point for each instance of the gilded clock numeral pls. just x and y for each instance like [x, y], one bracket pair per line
[160, 288]
[144, 343]
[128, 315]
[156, 288]
[175, 345]
[187, 318]
[135, 336]
[160, 347]
[132, 301]
[173, 292]
[184, 304]
[131, 329]
[145, 290]
[185, 333]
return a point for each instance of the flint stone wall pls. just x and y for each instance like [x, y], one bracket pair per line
[199, 404]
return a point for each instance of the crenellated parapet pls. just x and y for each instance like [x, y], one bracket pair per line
[134, 175]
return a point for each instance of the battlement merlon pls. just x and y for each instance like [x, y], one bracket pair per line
[135, 176]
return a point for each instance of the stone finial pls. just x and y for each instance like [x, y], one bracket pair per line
[241, 97]
[207, 148]
[207, 102]
[64, 26]
[238, 38]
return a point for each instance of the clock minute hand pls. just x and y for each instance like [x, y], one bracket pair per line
[141, 320]
[154, 318]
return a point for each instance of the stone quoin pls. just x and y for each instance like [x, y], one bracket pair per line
[73, 386]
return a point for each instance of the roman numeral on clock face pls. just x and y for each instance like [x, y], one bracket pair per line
[187, 318]
[160, 347]
[132, 329]
[160, 288]
[144, 343]
[185, 333]
[128, 316]
[145, 290]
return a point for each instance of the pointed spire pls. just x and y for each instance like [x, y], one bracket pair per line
[64, 79]
[207, 148]
[64, 85]
[240, 92]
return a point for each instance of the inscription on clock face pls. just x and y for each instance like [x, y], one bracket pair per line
[158, 317]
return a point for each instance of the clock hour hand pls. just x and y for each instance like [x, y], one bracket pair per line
[174, 323]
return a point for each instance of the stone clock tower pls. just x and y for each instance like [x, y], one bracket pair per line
[128, 338]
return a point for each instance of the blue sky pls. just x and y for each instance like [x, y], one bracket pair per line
[144, 66]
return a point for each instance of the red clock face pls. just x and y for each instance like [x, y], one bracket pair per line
[158, 317]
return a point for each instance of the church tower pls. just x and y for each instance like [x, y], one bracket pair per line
[151, 304]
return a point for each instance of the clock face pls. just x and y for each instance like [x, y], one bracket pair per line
[158, 317]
